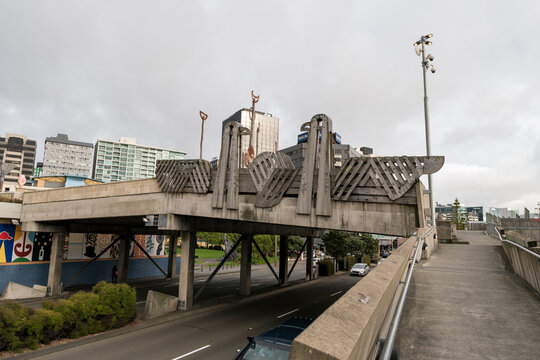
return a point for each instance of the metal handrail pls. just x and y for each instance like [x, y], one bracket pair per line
[391, 338]
[517, 245]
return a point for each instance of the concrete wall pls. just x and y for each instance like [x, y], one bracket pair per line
[445, 230]
[36, 272]
[349, 329]
[527, 227]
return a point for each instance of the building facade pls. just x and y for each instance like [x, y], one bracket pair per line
[265, 129]
[66, 157]
[20, 152]
[342, 152]
[125, 160]
[472, 213]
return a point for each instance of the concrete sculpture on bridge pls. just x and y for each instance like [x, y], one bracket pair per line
[369, 194]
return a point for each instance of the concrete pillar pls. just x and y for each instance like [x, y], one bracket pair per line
[283, 259]
[123, 261]
[309, 258]
[54, 282]
[187, 265]
[245, 265]
[171, 264]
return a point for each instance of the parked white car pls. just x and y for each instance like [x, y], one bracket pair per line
[360, 269]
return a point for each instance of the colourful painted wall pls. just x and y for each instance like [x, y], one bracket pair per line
[24, 257]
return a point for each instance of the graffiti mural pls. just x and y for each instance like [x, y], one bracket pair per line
[42, 246]
[23, 245]
[7, 236]
[90, 244]
[103, 240]
[114, 251]
[142, 240]
[160, 241]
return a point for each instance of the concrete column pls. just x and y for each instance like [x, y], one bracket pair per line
[54, 282]
[187, 265]
[123, 261]
[171, 264]
[245, 265]
[309, 258]
[283, 259]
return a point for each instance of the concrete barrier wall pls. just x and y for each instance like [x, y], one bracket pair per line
[349, 328]
[525, 265]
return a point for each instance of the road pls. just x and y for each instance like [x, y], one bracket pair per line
[214, 332]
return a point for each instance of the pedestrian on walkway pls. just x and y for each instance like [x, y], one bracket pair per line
[114, 274]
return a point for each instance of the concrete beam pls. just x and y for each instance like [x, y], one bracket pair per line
[42, 227]
[54, 281]
[309, 258]
[171, 263]
[283, 259]
[187, 264]
[245, 265]
[123, 261]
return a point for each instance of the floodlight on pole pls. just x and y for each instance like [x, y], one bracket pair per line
[420, 47]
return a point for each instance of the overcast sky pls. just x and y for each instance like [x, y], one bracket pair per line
[144, 69]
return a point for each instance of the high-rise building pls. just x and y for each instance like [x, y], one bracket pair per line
[67, 157]
[265, 131]
[20, 152]
[125, 160]
[341, 151]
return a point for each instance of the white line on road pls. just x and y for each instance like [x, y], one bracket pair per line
[193, 352]
[290, 312]
[339, 292]
[256, 284]
[170, 285]
[140, 302]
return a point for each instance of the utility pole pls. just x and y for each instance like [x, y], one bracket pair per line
[203, 117]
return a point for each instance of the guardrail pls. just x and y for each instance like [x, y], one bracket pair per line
[391, 337]
[526, 263]
[516, 245]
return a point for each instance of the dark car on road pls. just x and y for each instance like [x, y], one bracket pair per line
[276, 343]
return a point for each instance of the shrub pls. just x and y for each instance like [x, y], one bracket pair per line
[107, 306]
[351, 260]
[13, 320]
[326, 267]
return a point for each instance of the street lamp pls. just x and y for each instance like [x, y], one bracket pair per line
[419, 47]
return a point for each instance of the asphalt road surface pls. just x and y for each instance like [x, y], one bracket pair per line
[214, 331]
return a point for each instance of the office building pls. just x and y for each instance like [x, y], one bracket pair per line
[67, 157]
[342, 152]
[20, 152]
[125, 160]
[472, 213]
[266, 131]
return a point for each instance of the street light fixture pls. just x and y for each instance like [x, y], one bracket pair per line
[420, 47]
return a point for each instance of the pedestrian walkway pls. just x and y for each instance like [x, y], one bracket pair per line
[466, 303]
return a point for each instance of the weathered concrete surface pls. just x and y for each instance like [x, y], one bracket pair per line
[349, 328]
[158, 304]
[140, 197]
[10, 211]
[17, 291]
[465, 303]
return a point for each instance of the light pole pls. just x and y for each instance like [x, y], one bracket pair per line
[419, 47]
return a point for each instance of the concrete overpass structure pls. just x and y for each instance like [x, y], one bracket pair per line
[380, 195]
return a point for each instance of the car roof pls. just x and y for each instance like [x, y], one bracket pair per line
[360, 264]
[286, 332]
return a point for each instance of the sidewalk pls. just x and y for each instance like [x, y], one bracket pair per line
[466, 303]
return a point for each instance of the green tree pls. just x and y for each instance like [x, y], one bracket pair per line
[336, 243]
[459, 218]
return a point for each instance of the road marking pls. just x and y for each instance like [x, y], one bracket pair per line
[170, 285]
[256, 284]
[140, 302]
[339, 292]
[290, 312]
[193, 352]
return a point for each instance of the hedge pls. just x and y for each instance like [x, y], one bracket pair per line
[107, 306]
[326, 267]
[351, 260]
